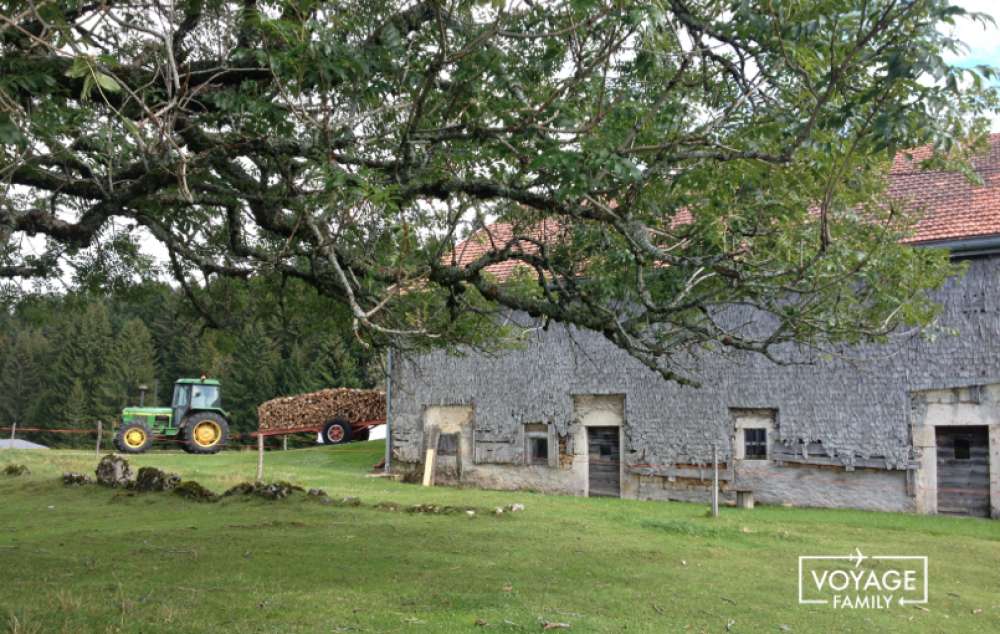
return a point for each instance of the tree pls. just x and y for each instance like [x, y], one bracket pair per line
[333, 365]
[81, 338]
[130, 363]
[693, 157]
[76, 405]
[252, 375]
[21, 375]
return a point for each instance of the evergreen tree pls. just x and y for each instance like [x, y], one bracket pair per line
[252, 377]
[197, 354]
[75, 407]
[21, 375]
[333, 365]
[69, 360]
[129, 364]
[82, 339]
[295, 370]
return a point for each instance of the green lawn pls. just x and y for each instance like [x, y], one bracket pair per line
[93, 559]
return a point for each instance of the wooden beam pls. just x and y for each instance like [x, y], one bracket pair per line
[434, 436]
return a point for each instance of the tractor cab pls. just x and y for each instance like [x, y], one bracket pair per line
[195, 417]
[195, 395]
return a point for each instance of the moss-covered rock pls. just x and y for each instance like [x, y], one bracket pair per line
[266, 490]
[278, 490]
[71, 478]
[152, 479]
[114, 471]
[192, 490]
[243, 488]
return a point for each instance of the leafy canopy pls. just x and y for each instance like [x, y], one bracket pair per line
[700, 158]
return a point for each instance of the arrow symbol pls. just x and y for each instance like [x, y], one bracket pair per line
[857, 557]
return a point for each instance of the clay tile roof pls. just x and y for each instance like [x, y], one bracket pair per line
[496, 236]
[952, 208]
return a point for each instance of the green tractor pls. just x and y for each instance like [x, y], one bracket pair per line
[195, 417]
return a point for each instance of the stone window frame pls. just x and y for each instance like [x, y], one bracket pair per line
[750, 418]
[539, 430]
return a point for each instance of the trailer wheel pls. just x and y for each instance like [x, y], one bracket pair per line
[133, 438]
[337, 432]
[362, 434]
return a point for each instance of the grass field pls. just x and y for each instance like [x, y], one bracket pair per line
[92, 559]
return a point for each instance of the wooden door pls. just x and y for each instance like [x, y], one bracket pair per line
[963, 470]
[605, 461]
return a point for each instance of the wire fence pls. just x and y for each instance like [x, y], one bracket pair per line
[103, 434]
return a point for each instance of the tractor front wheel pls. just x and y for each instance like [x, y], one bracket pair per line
[133, 438]
[337, 432]
[205, 433]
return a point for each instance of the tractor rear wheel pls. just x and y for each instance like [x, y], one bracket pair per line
[206, 432]
[133, 438]
[337, 432]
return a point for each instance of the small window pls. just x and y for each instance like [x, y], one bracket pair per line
[448, 445]
[205, 397]
[538, 449]
[962, 449]
[181, 392]
[755, 444]
[536, 444]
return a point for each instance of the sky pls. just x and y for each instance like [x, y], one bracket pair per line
[983, 41]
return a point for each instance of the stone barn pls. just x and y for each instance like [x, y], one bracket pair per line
[913, 425]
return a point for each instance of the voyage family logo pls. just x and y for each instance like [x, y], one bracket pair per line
[860, 581]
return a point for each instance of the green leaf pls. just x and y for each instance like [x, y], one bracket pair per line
[107, 82]
[10, 133]
[88, 86]
[79, 68]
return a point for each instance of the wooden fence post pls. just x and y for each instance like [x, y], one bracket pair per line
[97, 449]
[715, 480]
[13, 430]
[260, 457]
[284, 443]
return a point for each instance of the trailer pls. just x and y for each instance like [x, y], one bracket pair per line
[337, 415]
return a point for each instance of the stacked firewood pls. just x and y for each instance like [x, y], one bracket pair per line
[315, 409]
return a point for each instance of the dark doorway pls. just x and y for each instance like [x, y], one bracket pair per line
[605, 461]
[963, 471]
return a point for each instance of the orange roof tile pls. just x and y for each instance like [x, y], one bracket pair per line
[496, 236]
[952, 207]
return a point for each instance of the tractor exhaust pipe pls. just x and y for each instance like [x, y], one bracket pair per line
[142, 395]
